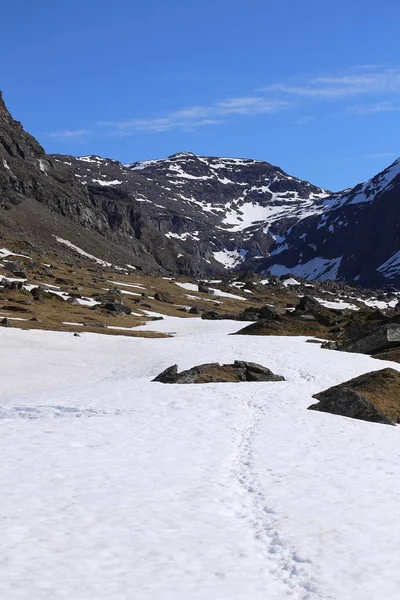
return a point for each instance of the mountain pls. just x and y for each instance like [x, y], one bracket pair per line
[354, 236]
[221, 213]
[197, 215]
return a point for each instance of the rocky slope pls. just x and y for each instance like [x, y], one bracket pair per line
[355, 236]
[196, 215]
[221, 213]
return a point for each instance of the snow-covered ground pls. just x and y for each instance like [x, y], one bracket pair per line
[116, 488]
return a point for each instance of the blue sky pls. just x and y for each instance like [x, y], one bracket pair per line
[311, 86]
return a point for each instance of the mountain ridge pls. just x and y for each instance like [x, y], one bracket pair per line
[198, 215]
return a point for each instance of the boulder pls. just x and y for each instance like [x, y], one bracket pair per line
[216, 373]
[372, 397]
[16, 269]
[114, 307]
[211, 315]
[310, 306]
[204, 289]
[163, 297]
[196, 310]
[13, 308]
[374, 340]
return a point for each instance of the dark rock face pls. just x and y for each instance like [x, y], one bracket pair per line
[354, 238]
[197, 205]
[373, 340]
[163, 297]
[191, 215]
[309, 309]
[216, 373]
[373, 397]
[211, 315]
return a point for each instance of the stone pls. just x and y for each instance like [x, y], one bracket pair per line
[239, 371]
[5, 321]
[163, 297]
[202, 287]
[196, 310]
[211, 315]
[374, 396]
[381, 337]
[14, 308]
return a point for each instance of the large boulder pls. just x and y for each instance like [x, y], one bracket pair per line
[372, 397]
[216, 373]
[311, 307]
[373, 340]
[211, 315]
[163, 297]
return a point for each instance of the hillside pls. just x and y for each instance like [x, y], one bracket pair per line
[355, 237]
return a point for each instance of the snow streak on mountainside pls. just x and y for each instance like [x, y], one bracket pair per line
[223, 211]
[354, 235]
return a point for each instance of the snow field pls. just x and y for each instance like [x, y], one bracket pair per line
[117, 488]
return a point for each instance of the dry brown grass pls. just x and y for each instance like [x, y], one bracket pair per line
[92, 279]
[393, 355]
[382, 388]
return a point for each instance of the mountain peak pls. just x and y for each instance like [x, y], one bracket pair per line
[4, 112]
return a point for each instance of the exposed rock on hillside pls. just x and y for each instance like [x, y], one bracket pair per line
[216, 373]
[373, 397]
[354, 236]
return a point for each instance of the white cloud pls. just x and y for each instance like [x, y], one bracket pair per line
[67, 134]
[199, 116]
[365, 80]
[380, 107]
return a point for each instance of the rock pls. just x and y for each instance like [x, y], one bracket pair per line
[73, 301]
[163, 297]
[76, 335]
[269, 313]
[202, 287]
[16, 269]
[113, 307]
[38, 293]
[35, 320]
[14, 308]
[380, 337]
[211, 315]
[239, 371]
[307, 317]
[308, 305]
[256, 372]
[196, 310]
[157, 319]
[5, 321]
[168, 376]
[372, 397]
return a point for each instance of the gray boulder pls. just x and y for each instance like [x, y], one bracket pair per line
[382, 337]
[163, 297]
[216, 373]
[372, 397]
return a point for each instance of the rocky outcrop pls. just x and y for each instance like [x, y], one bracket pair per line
[198, 205]
[354, 237]
[239, 371]
[373, 340]
[373, 397]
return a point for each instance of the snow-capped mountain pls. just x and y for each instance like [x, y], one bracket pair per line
[354, 235]
[222, 212]
[197, 215]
